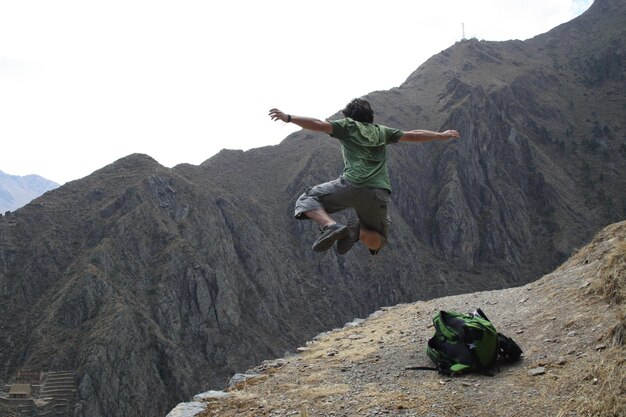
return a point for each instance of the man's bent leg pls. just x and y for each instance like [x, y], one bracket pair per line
[371, 238]
[374, 219]
[331, 230]
[320, 216]
[316, 204]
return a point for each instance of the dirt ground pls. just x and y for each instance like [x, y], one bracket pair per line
[570, 324]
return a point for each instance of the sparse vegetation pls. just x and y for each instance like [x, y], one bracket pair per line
[559, 145]
[590, 145]
[586, 176]
[612, 284]
[601, 200]
[610, 373]
[607, 64]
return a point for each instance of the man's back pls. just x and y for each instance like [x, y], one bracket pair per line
[364, 148]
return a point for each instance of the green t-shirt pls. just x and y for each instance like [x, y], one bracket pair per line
[364, 148]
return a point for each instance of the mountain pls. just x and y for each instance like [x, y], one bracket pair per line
[570, 323]
[153, 284]
[17, 191]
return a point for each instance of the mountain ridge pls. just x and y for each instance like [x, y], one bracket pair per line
[17, 191]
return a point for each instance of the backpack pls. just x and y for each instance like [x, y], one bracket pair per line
[468, 342]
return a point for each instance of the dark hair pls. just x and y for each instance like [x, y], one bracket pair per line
[360, 110]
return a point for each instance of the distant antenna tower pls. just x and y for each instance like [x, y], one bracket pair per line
[463, 30]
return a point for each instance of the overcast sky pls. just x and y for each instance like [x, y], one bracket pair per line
[84, 83]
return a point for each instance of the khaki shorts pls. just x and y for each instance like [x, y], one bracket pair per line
[370, 204]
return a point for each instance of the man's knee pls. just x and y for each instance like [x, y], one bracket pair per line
[374, 240]
[383, 243]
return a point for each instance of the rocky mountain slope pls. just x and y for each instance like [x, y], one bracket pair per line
[154, 284]
[571, 324]
[16, 191]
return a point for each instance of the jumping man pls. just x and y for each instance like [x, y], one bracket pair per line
[364, 185]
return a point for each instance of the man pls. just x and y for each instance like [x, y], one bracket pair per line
[364, 185]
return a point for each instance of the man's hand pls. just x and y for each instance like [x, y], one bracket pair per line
[276, 114]
[451, 134]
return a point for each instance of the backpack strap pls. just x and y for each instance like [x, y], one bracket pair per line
[442, 369]
[421, 368]
[480, 313]
[508, 349]
[454, 323]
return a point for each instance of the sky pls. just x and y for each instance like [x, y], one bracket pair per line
[84, 83]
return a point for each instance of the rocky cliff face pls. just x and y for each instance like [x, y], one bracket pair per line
[155, 284]
[570, 325]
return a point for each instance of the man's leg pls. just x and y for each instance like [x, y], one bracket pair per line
[316, 204]
[320, 217]
[373, 218]
[357, 231]
[371, 238]
[331, 230]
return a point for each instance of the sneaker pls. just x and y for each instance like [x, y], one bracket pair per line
[345, 244]
[330, 234]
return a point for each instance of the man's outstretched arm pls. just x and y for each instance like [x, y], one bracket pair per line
[308, 123]
[427, 135]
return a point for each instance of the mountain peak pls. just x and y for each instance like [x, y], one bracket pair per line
[134, 161]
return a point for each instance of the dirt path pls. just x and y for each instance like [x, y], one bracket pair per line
[568, 323]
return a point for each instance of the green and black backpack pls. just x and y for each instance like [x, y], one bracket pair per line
[468, 342]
